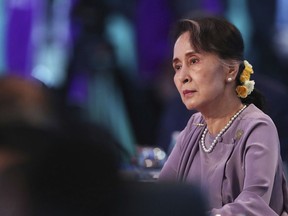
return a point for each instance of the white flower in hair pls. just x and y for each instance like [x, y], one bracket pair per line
[249, 85]
[247, 64]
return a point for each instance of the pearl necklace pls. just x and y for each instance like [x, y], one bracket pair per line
[208, 150]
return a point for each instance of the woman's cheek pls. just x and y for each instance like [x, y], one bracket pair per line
[176, 82]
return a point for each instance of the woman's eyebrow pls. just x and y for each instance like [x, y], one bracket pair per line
[187, 53]
[190, 52]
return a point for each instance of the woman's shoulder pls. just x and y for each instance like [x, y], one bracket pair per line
[253, 115]
[253, 112]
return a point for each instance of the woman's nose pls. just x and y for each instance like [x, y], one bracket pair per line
[185, 80]
[184, 76]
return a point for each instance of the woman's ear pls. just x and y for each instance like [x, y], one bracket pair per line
[232, 72]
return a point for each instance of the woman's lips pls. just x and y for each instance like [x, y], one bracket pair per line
[188, 92]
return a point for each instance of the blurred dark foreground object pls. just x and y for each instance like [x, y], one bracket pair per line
[54, 172]
[160, 199]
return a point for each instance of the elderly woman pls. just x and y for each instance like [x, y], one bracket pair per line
[230, 147]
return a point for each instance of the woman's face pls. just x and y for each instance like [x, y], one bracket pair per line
[199, 77]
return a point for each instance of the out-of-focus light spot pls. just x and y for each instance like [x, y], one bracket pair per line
[159, 154]
[42, 73]
[148, 163]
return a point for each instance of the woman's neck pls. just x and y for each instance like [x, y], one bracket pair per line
[218, 116]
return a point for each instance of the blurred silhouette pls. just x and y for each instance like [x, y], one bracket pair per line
[56, 172]
[68, 166]
[51, 164]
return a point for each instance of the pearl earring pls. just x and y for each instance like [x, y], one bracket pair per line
[229, 79]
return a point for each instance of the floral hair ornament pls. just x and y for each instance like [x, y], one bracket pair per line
[247, 85]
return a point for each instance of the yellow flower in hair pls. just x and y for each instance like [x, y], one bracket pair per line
[248, 67]
[246, 73]
[242, 91]
[244, 76]
[247, 85]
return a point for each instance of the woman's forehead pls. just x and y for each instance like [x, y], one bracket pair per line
[183, 41]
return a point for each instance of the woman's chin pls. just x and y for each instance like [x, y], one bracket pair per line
[190, 107]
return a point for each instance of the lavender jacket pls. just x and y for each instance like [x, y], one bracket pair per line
[243, 175]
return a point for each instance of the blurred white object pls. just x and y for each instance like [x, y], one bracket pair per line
[151, 157]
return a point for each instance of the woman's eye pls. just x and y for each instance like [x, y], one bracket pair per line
[177, 67]
[194, 61]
